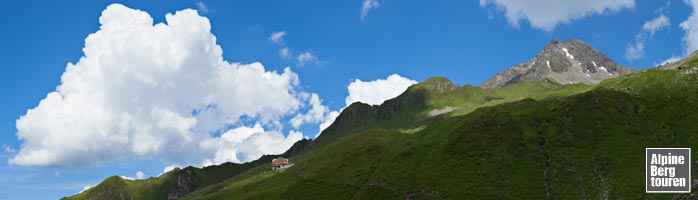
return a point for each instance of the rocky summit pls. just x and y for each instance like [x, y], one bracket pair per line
[567, 62]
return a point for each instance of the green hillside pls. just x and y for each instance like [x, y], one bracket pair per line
[178, 182]
[433, 97]
[530, 140]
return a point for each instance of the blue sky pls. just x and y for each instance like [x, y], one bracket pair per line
[465, 41]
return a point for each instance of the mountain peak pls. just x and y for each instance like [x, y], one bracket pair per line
[552, 42]
[555, 44]
[567, 62]
[438, 84]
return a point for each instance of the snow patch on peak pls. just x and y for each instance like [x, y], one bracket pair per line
[530, 65]
[568, 53]
[547, 62]
[594, 63]
[604, 69]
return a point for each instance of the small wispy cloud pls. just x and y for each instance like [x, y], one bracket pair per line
[8, 149]
[277, 37]
[366, 6]
[201, 6]
[285, 53]
[656, 24]
[87, 187]
[307, 57]
[637, 50]
[673, 58]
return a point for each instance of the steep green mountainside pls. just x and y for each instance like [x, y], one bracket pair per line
[433, 97]
[588, 145]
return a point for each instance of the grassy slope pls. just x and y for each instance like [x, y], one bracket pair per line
[687, 62]
[593, 144]
[415, 105]
[116, 187]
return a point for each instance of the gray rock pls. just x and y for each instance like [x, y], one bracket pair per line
[571, 61]
[183, 185]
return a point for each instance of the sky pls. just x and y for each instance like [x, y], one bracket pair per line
[134, 88]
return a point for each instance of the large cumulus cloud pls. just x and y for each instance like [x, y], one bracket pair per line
[547, 14]
[377, 91]
[143, 90]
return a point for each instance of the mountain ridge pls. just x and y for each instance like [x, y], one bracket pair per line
[690, 61]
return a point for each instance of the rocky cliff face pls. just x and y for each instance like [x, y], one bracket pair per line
[182, 185]
[571, 61]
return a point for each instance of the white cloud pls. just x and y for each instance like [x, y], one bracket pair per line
[140, 175]
[637, 50]
[329, 119]
[277, 37]
[372, 92]
[87, 187]
[285, 53]
[547, 14]
[316, 114]
[366, 6]
[307, 57]
[377, 91]
[8, 149]
[154, 91]
[247, 143]
[169, 168]
[656, 24]
[673, 58]
[690, 26]
[57, 174]
[201, 6]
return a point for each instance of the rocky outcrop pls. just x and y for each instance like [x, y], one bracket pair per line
[571, 61]
[439, 85]
[296, 148]
[183, 185]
